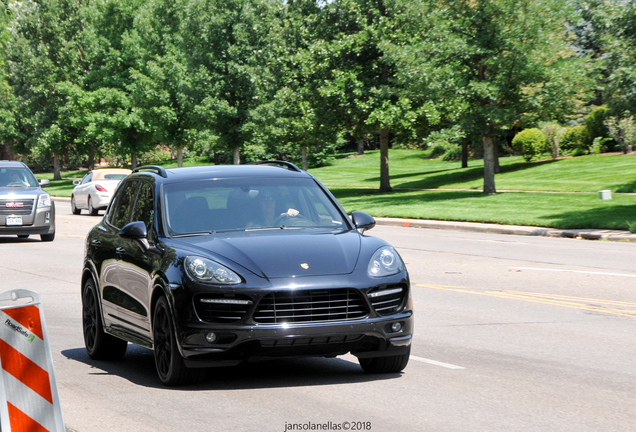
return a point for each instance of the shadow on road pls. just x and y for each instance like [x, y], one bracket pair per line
[138, 367]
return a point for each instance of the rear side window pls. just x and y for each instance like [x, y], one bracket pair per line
[119, 215]
[144, 209]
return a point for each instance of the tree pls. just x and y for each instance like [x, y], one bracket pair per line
[46, 53]
[495, 64]
[227, 57]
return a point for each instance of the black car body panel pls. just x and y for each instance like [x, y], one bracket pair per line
[301, 287]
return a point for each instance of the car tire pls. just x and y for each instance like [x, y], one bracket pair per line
[23, 236]
[99, 345]
[170, 366]
[47, 237]
[74, 208]
[91, 210]
[390, 364]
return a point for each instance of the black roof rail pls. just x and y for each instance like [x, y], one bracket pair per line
[290, 166]
[157, 169]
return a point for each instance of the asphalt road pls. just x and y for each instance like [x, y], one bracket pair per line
[512, 334]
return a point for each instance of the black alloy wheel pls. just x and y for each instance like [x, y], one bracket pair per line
[168, 361]
[99, 345]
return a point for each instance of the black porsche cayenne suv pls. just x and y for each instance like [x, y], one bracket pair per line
[212, 266]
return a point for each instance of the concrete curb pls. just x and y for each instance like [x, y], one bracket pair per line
[586, 234]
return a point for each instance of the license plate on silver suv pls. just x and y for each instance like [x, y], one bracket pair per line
[13, 220]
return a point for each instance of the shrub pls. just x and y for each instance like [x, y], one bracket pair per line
[438, 150]
[453, 152]
[575, 137]
[529, 143]
[578, 152]
[595, 123]
[553, 133]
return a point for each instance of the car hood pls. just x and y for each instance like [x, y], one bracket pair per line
[19, 191]
[286, 253]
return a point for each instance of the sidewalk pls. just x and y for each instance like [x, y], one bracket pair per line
[585, 234]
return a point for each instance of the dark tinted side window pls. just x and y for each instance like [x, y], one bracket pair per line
[120, 213]
[145, 207]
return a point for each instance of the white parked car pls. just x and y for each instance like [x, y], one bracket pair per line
[95, 190]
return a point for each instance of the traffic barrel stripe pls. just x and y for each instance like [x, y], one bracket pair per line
[29, 404]
[26, 371]
[29, 317]
[21, 422]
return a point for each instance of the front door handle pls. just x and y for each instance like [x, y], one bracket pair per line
[120, 251]
[96, 243]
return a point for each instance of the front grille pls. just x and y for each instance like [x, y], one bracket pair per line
[387, 300]
[16, 207]
[220, 309]
[310, 306]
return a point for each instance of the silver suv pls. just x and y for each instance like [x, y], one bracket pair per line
[25, 208]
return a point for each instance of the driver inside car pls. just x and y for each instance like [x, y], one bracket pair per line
[268, 216]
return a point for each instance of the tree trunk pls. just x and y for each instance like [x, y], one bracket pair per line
[179, 156]
[360, 147]
[465, 153]
[133, 161]
[385, 183]
[303, 152]
[25, 159]
[237, 155]
[489, 164]
[91, 158]
[495, 154]
[57, 175]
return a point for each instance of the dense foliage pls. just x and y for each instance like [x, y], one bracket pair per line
[242, 80]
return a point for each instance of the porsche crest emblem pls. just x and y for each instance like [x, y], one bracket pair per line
[305, 266]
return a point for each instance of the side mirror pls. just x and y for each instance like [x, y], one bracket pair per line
[76, 182]
[44, 182]
[134, 230]
[362, 221]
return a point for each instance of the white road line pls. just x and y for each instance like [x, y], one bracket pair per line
[435, 362]
[572, 271]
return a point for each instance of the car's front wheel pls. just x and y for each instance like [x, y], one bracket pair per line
[390, 364]
[47, 237]
[170, 365]
[99, 345]
[74, 208]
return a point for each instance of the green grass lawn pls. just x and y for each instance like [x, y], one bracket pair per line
[355, 180]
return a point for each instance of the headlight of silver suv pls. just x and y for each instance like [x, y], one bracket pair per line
[44, 201]
[207, 271]
[385, 262]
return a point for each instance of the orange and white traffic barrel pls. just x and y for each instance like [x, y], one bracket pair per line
[28, 390]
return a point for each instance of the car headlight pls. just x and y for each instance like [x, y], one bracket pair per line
[385, 262]
[206, 271]
[45, 201]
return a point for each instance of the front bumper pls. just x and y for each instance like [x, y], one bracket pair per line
[371, 336]
[41, 221]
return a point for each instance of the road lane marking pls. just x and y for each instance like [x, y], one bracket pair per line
[435, 362]
[573, 271]
[580, 303]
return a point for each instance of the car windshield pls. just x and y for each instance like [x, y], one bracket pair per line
[17, 177]
[208, 206]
